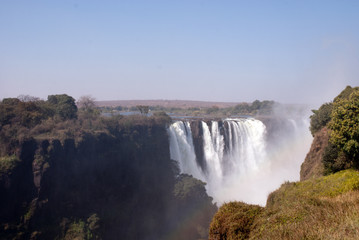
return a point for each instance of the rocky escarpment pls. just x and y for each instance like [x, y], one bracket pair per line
[104, 185]
[313, 166]
[119, 184]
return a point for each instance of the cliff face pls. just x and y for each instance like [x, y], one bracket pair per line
[112, 186]
[120, 184]
[313, 166]
[16, 184]
[197, 133]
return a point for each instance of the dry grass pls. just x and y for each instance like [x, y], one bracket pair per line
[322, 208]
[316, 218]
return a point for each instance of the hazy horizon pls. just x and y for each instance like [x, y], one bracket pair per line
[297, 52]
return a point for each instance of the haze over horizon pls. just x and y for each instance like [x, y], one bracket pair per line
[228, 51]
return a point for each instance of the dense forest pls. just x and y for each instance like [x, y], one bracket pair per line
[325, 203]
[66, 172]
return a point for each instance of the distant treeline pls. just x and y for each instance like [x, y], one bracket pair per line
[254, 108]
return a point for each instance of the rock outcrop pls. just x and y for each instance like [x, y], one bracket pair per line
[313, 166]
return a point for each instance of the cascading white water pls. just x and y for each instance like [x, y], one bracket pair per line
[246, 149]
[212, 152]
[237, 163]
[182, 149]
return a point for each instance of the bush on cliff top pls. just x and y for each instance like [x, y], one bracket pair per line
[234, 220]
[320, 117]
[341, 118]
[323, 115]
[345, 126]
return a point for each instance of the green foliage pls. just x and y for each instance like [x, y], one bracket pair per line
[335, 160]
[241, 108]
[320, 117]
[256, 107]
[80, 229]
[162, 117]
[212, 109]
[345, 94]
[191, 199]
[77, 230]
[234, 220]
[15, 112]
[189, 187]
[7, 164]
[345, 126]
[64, 106]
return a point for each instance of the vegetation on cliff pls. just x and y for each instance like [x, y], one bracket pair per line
[345, 127]
[340, 118]
[68, 173]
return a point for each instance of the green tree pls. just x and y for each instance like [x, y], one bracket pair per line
[320, 117]
[241, 108]
[345, 126]
[213, 109]
[64, 106]
[28, 114]
[256, 105]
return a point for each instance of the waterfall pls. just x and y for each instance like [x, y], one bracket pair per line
[212, 151]
[239, 159]
[245, 151]
[182, 149]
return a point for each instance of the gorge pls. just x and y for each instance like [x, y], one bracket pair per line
[70, 173]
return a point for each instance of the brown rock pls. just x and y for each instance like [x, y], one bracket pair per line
[313, 165]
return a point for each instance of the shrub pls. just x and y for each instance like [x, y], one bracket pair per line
[8, 163]
[335, 160]
[345, 126]
[234, 220]
[320, 117]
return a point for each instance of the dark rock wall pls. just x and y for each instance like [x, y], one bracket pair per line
[126, 180]
[197, 133]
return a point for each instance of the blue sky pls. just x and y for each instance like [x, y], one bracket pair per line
[287, 51]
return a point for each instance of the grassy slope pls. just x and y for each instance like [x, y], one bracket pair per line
[320, 208]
